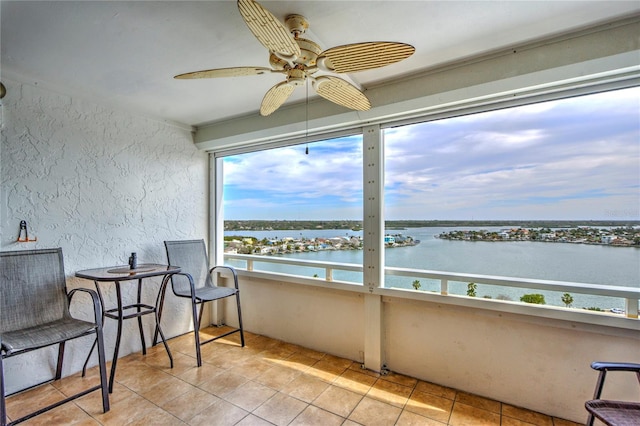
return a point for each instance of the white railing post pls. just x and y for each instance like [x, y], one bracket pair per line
[631, 307]
[444, 287]
[328, 274]
[249, 265]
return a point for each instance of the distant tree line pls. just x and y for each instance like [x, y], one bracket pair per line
[277, 225]
[288, 225]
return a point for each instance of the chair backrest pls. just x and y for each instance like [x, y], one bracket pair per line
[191, 257]
[32, 288]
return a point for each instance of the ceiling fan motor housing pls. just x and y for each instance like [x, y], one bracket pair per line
[309, 52]
[296, 24]
[296, 76]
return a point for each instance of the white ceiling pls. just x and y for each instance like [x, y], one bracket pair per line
[126, 53]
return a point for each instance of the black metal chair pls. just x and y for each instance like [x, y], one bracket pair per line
[195, 282]
[34, 313]
[613, 413]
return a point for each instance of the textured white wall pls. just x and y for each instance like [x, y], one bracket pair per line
[326, 320]
[100, 184]
[531, 362]
[539, 364]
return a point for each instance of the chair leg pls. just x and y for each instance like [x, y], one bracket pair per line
[590, 420]
[596, 394]
[240, 318]
[200, 315]
[599, 384]
[86, 361]
[102, 365]
[196, 331]
[60, 359]
[3, 414]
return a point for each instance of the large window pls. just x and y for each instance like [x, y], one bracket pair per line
[302, 201]
[543, 191]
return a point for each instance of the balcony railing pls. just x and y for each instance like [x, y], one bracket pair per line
[630, 295]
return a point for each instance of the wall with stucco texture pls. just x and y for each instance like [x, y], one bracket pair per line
[531, 362]
[100, 184]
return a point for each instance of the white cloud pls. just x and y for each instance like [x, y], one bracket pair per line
[565, 159]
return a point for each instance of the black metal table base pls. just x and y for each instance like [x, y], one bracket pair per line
[118, 313]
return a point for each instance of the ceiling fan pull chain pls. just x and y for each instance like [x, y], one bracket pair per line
[306, 132]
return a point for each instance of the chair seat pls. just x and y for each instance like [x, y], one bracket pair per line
[211, 293]
[619, 413]
[45, 334]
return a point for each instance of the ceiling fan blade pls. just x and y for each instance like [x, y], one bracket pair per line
[275, 97]
[225, 72]
[363, 56]
[268, 30]
[341, 92]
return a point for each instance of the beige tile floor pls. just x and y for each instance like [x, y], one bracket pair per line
[268, 382]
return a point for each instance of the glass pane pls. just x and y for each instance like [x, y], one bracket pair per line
[543, 191]
[301, 202]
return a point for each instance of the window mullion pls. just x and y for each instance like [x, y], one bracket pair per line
[373, 200]
[373, 259]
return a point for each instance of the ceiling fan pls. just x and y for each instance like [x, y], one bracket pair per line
[300, 59]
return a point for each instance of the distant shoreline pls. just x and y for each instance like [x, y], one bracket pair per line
[620, 236]
[356, 225]
[252, 245]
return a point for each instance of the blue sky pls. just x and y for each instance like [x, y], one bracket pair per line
[576, 158]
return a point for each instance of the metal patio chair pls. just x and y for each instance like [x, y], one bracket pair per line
[195, 282]
[34, 313]
[613, 413]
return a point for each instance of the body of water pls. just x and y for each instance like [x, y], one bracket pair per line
[581, 263]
